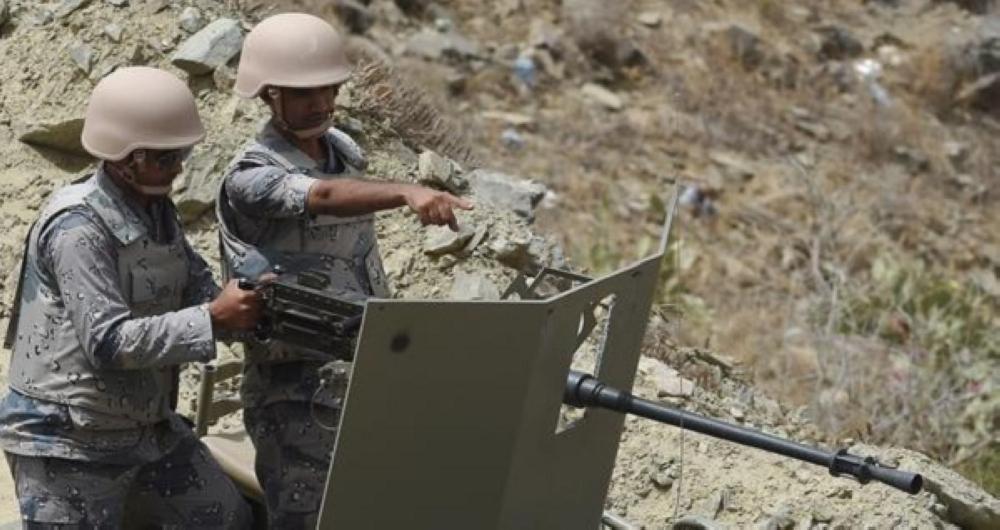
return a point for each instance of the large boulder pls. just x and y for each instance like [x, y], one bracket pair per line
[518, 195]
[210, 48]
[61, 135]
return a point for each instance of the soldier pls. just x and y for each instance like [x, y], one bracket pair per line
[112, 299]
[294, 198]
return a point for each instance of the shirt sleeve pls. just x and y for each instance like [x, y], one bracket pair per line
[268, 192]
[83, 260]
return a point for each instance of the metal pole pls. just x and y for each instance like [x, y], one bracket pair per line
[205, 394]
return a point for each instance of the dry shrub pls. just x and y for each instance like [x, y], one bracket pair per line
[383, 94]
[936, 73]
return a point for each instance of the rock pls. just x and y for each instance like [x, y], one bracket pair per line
[978, 7]
[155, 6]
[673, 385]
[435, 169]
[456, 82]
[104, 70]
[433, 45]
[510, 118]
[525, 256]
[696, 522]
[210, 48]
[957, 153]
[816, 130]
[354, 15]
[412, 7]
[778, 521]
[191, 19]
[477, 238]
[442, 240]
[61, 136]
[83, 56]
[398, 263]
[602, 96]
[443, 24]
[662, 479]
[964, 504]
[912, 159]
[525, 71]
[652, 19]
[67, 7]
[983, 53]
[195, 189]
[224, 78]
[694, 198]
[41, 17]
[745, 46]
[711, 506]
[114, 32]
[512, 139]
[118, 3]
[520, 196]
[837, 43]
[473, 286]
[736, 168]
[4, 12]
[983, 93]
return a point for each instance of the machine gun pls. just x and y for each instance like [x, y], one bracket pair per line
[583, 390]
[301, 310]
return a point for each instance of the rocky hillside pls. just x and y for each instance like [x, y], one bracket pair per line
[840, 239]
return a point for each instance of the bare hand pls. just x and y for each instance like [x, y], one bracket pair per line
[235, 309]
[435, 207]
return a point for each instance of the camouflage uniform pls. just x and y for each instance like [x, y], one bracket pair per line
[113, 299]
[290, 414]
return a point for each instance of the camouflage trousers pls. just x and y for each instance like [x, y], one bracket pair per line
[293, 459]
[184, 489]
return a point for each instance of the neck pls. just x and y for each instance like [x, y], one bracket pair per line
[314, 147]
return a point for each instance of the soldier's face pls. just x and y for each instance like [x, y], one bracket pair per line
[305, 108]
[152, 171]
[160, 166]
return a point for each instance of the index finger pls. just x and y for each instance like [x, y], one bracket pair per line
[464, 204]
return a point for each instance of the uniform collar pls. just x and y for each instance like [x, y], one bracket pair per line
[270, 137]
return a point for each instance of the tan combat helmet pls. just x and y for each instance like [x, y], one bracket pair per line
[292, 50]
[140, 108]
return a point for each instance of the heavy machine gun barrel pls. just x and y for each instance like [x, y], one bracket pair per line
[583, 390]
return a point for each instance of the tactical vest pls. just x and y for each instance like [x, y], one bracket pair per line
[48, 361]
[345, 248]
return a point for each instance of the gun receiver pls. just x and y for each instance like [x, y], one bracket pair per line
[583, 390]
[300, 310]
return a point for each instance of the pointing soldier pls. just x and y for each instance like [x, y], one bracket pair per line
[294, 198]
[111, 300]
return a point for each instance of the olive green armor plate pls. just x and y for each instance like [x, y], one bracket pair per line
[450, 418]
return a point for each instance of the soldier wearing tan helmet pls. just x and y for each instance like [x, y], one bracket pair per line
[295, 197]
[111, 300]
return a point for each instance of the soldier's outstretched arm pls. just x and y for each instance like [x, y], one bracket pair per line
[356, 197]
[82, 257]
[269, 192]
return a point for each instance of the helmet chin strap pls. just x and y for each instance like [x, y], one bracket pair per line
[279, 118]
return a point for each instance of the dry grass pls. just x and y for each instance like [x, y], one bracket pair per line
[382, 94]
